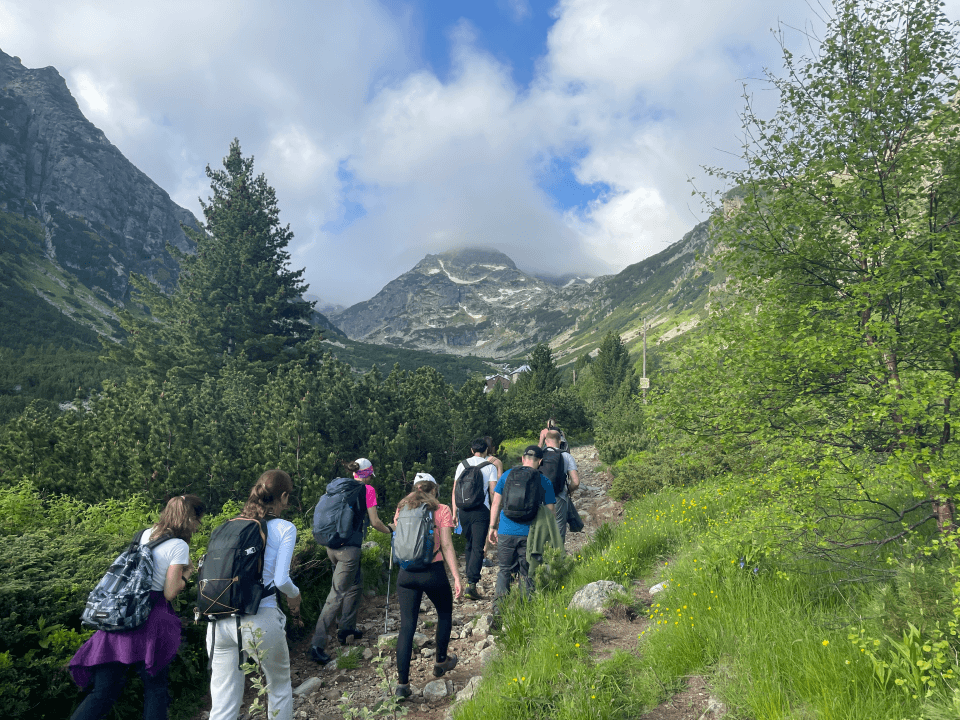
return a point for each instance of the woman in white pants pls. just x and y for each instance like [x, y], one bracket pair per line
[263, 634]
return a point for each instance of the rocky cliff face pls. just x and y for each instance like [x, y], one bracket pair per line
[102, 217]
[466, 302]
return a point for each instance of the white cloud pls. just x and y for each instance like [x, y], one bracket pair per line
[642, 92]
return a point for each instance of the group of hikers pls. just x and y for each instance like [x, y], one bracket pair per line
[247, 564]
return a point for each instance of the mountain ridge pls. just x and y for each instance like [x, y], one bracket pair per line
[102, 216]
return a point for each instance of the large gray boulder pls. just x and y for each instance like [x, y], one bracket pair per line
[594, 596]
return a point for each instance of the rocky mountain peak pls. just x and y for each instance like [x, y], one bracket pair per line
[102, 217]
[466, 266]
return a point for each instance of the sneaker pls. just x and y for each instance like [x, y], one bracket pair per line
[472, 592]
[343, 635]
[487, 563]
[446, 666]
[403, 691]
[318, 655]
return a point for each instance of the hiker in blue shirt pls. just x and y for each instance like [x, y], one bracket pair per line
[520, 497]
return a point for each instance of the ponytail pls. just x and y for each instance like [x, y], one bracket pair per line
[266, 493]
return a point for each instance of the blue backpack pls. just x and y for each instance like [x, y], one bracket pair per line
[121, 600]
[338, 516]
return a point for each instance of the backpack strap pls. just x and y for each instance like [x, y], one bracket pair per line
[240, 651]
[135, 540]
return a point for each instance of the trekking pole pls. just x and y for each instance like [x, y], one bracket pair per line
[386, 609]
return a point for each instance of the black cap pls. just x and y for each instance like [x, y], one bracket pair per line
[533, 451]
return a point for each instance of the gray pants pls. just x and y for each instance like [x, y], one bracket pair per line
[561, 511]
[512, 559]
[344, 597]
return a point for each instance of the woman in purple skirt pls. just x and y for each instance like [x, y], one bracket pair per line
[106, 658]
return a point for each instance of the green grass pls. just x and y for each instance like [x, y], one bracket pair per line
[775, 640]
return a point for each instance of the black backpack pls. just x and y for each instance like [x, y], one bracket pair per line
[471, 487]
[338, 517]
[230, 573]
[522, 494]
[121, 600]
[554, 468]
[230, 576]
[413, 541]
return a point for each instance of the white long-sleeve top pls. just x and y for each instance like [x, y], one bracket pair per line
[281, 539]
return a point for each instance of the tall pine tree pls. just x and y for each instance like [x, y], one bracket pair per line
[236, 296]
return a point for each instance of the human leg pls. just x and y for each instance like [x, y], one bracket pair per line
[226, 678]
[265, 639]
[156, 698]
[346, 570]
[409, 593]
[524, 577]
[561, 509]
[475, 524]
[108, 682]
[351, 598]
[507, 562]
[440, 594]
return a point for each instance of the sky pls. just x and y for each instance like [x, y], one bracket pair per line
[568, 134]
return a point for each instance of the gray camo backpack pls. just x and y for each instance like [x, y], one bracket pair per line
[121, 600]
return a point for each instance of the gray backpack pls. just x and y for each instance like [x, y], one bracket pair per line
[121, 600]
[413, 541]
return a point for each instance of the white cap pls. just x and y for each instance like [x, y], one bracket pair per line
[425, 477]
[365, 471]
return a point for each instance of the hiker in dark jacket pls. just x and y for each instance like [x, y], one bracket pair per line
[344, 596]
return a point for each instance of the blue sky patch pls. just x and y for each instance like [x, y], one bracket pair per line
[512, 31]
[557, 179]
[350, 209]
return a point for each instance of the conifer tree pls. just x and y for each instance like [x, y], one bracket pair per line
[236, 296]
[611, 366]
[543, 376]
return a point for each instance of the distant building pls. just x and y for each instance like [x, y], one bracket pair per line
[505, 379]
[515, 375]
[494, 380]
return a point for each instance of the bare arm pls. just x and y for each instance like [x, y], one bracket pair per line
[450, 557]
[494, 518]
[375, 521]
[453, 500]
[573, 480]
[176, 580]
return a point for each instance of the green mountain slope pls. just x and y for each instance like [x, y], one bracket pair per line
[669, 289]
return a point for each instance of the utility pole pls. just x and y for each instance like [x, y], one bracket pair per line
[645, 383]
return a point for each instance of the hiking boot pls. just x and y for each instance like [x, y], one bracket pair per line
[403, 691]
[343, 635]
[318, 655]
[472, 592]
[446, 666]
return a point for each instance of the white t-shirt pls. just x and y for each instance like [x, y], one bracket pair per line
[170, 552]
[490, 474]
[277, 556]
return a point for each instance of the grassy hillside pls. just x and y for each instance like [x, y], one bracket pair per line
[669, 289]
[455, 369]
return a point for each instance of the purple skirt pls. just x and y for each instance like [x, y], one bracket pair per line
[154, 643]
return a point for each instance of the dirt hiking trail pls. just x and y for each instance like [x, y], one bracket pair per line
[319, 691]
